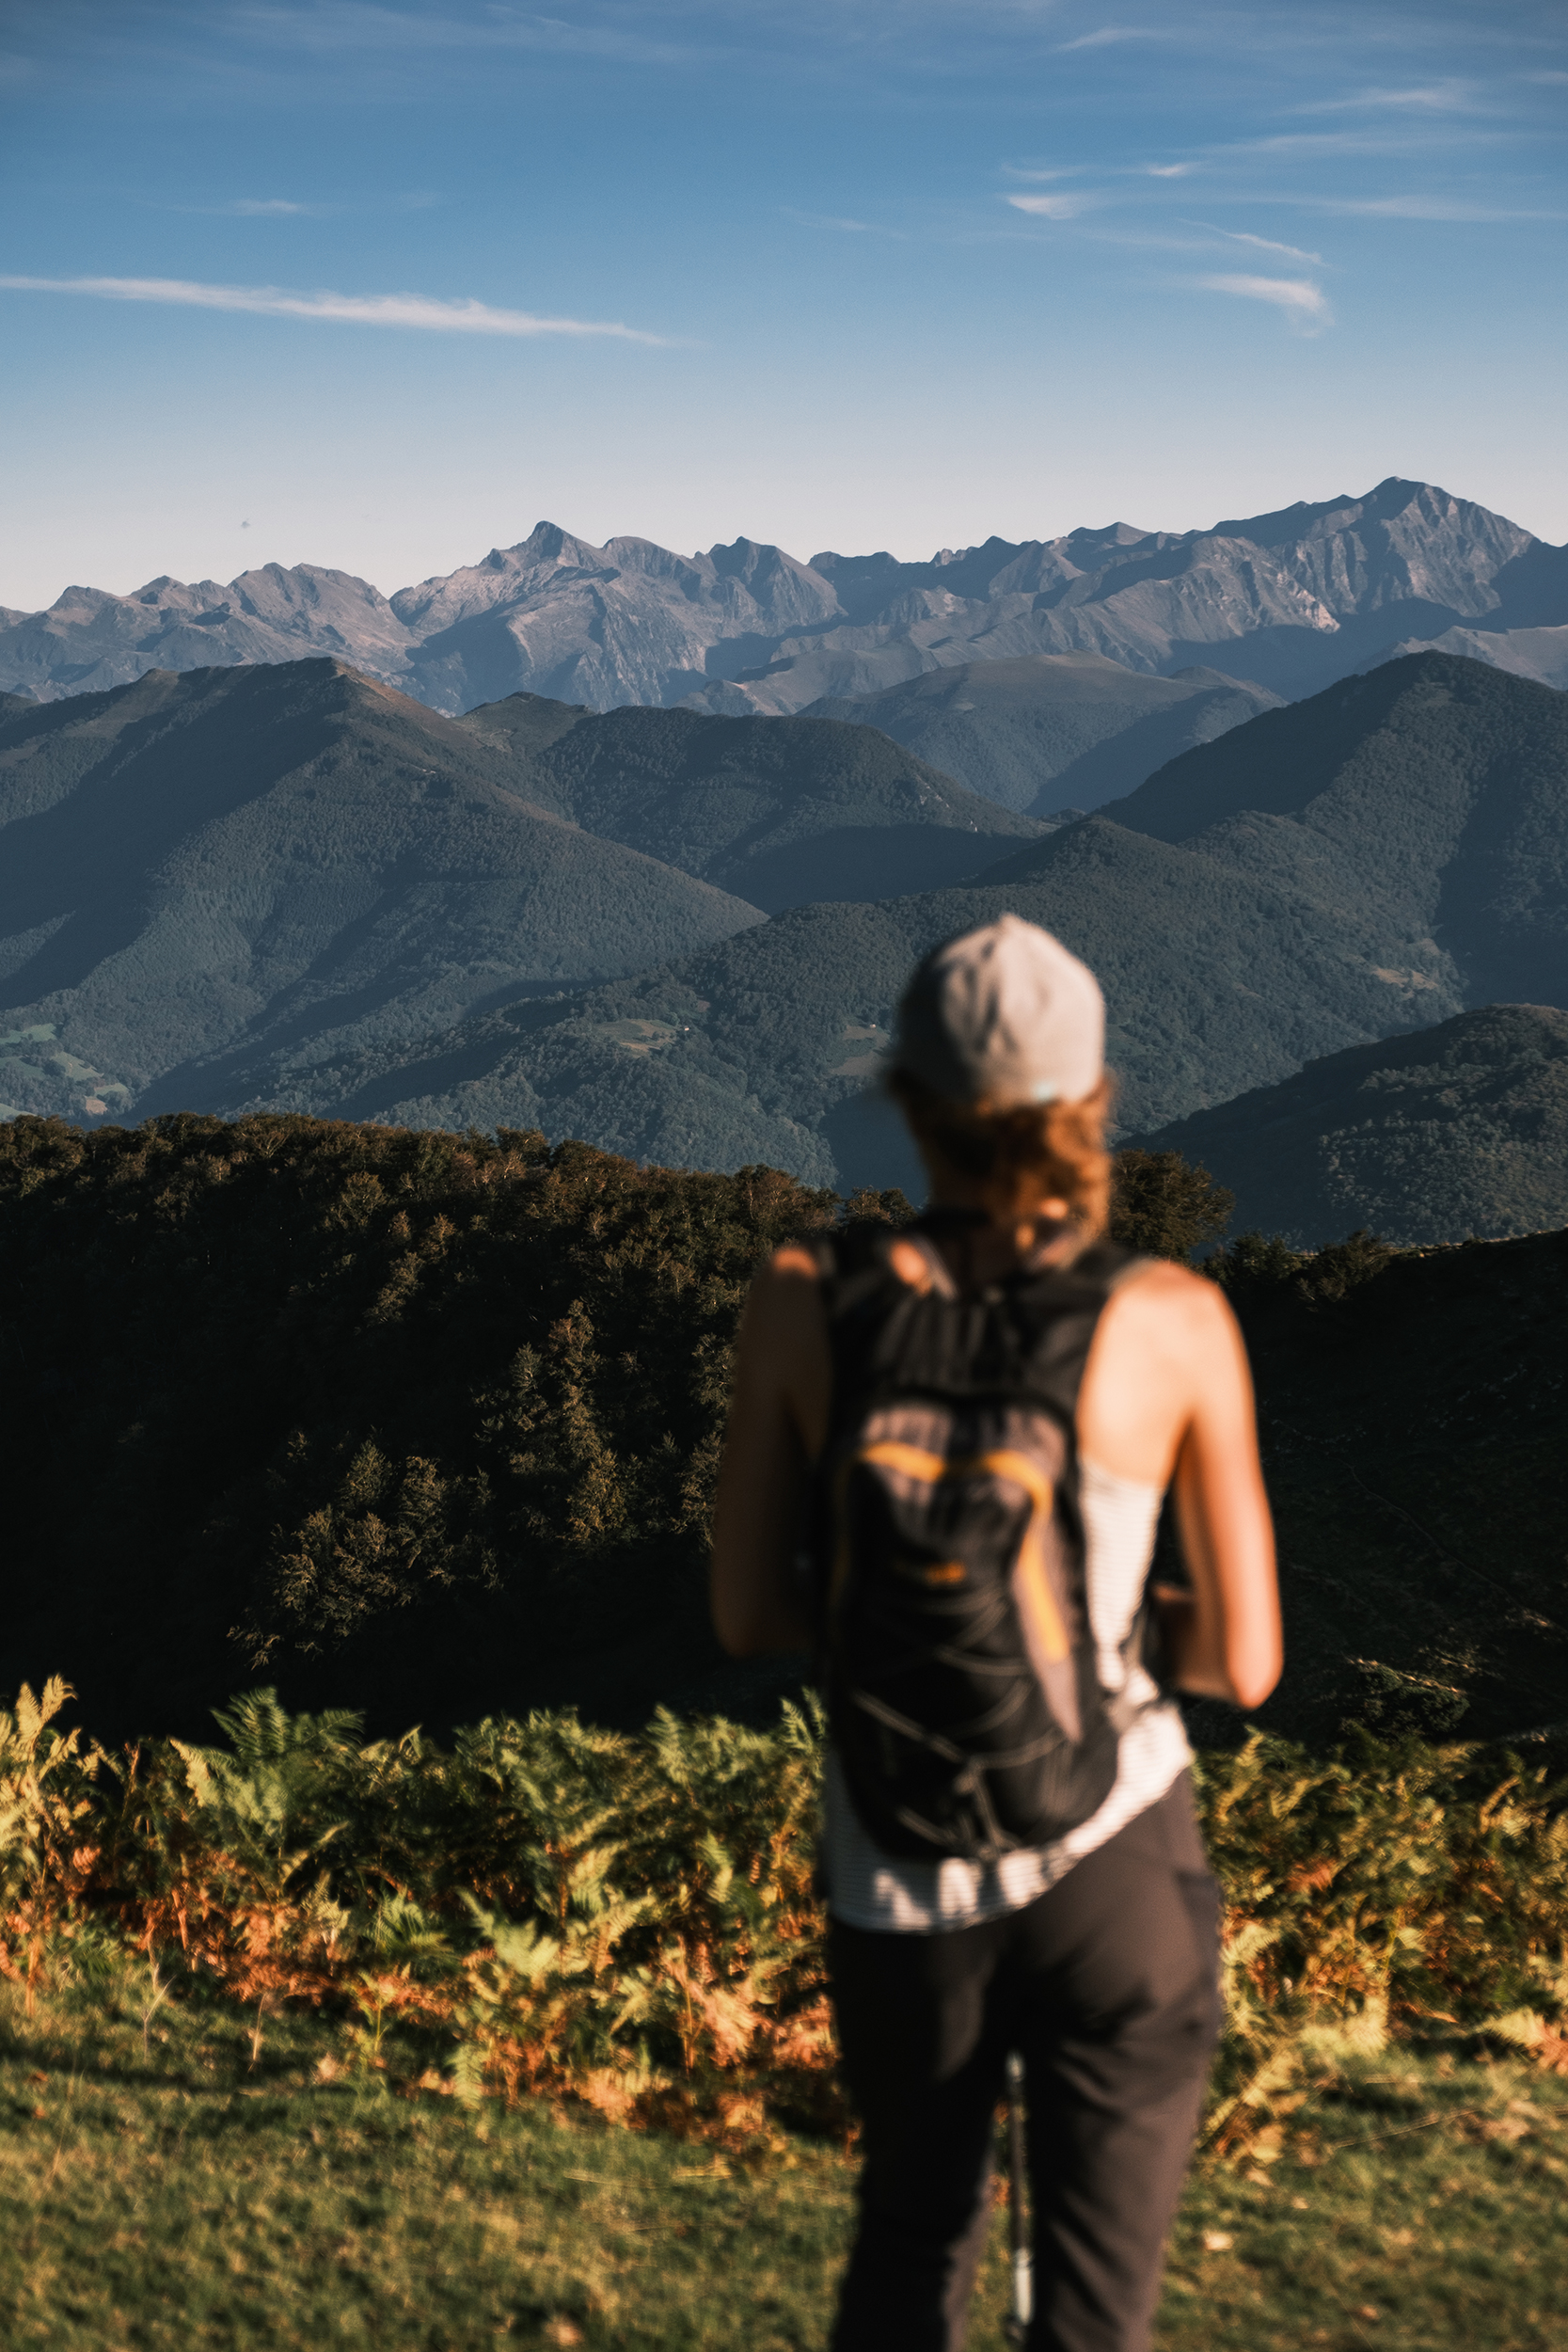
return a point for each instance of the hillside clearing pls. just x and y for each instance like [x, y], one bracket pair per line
[162, 2190]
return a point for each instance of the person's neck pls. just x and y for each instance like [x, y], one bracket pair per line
[1009, 1230]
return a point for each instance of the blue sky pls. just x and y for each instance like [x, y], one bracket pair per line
[380, 283]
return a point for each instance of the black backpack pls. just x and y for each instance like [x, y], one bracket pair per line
[946, 1495]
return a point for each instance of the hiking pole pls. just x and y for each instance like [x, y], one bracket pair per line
[1016, 2328]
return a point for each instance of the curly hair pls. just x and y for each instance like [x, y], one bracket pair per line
[1023, 1154]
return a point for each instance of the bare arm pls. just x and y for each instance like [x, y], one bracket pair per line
[1226, 1640]
[778, 1421]
[1167, 1387]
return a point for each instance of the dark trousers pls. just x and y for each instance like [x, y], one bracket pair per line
[1108, 1986]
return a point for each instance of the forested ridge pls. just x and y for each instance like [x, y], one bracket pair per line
[1445, 1132]
[427, 1425]
[409, 1418]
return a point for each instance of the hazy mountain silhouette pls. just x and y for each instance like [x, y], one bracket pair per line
[88, 641]
[1054, 730]
[1289, 601]
[780, 812]
[1460, 1129]
[1541, 654]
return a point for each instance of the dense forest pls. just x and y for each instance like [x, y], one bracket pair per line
[426, 1425]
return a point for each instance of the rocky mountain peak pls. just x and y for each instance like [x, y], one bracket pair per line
[1288, 599]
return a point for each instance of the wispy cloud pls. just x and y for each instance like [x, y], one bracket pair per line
[1168, 171]
[1108, 34]
[1297, 296]
[287, 208]
[1427, 98]
[1263, 245]
[1148, 241]
[845, 227]
[401, 310]
[1407, 138]
[1051, 207]
[1420, 208]
[362, 25]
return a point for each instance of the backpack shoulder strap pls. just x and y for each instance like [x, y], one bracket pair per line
[1028, 1334]
[853, 1267]
[1046, 1318]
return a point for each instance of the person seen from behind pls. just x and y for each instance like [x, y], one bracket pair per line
[976, 1419]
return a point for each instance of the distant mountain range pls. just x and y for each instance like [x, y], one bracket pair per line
[1458, 1130]
[295, 860]
[1408, 860]
[1285, 601]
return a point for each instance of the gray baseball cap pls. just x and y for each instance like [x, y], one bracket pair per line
[1006, 1015]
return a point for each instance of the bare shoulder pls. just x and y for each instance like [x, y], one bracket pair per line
[1167, 1324]
[784, 1307]
[1167, 1352]
[786, 1289]
[782, 1361]
[790, 1264]
[1162, 1303]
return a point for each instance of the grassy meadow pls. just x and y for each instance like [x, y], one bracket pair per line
[305, 2039]
[169, 2181]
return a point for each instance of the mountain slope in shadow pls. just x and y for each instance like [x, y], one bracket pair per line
[1435, 785]
[781, 812]
[1457, 1129]
[1054, 731]
[285, 854]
